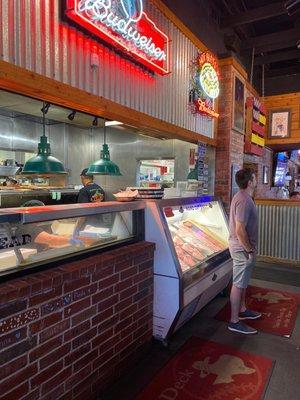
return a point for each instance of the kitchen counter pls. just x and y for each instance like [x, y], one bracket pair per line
[278, 202]
[5, 191]
[16, 197]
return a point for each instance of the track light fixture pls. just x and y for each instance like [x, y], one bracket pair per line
[95, 121]
[71, 116]
[45, 107]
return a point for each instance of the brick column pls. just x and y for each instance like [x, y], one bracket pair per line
[230, 144]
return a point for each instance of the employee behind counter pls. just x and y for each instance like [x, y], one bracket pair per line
[91, 192]
[43, 237]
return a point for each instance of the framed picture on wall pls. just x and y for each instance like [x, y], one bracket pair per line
[266, 172]
[280, 123]
[238, 123]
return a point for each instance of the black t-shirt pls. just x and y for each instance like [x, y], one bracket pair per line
[88, 194]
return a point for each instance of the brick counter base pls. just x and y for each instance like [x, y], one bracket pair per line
[68, 332]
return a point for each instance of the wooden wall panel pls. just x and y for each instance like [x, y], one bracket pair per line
[291, 100]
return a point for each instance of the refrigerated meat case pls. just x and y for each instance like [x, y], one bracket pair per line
[37, 238]
[192, 263]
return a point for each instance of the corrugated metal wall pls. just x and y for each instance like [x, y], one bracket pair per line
[279, 232]
[33, 36]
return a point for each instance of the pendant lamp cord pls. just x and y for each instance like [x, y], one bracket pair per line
[44, 119]
[104, 131]
[252, 65]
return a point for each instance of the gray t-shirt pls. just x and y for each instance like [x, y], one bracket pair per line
[244, 210]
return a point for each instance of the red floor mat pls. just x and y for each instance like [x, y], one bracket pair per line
[279, 310]
[204, 370]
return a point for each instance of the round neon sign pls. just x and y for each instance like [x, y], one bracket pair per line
[209, 80]
[205, 85]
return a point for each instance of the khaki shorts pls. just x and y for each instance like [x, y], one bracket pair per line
[242, 268]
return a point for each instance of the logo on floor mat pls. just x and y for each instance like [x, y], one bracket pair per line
[225, 368]
[271, 297]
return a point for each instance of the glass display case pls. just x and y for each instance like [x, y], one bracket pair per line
[31, 237]
[192, 263]
[199, 234]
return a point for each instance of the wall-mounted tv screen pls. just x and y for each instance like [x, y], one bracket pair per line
[280, 169]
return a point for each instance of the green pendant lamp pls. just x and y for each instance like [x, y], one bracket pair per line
[104, 166]
[193, 174]
[43, 163]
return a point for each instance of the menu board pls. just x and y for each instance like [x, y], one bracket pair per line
[202, 169]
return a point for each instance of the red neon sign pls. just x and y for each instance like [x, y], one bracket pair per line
[125, 25]
[203, 108]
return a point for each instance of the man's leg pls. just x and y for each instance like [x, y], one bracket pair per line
[244, 312]
[241, 279]
[235, 302]
[243, 301]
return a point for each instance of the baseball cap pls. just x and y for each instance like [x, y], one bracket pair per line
[84, 172]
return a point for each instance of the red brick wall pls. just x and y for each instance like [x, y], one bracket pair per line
[69, 331]
[230, 146]
[237, 148]
[222, 175]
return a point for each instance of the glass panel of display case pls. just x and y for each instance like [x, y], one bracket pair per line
[25, 244]
[199, 232]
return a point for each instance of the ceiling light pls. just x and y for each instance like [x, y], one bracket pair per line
[104, 166]
[95, 121]
[113, 123]
[71, 116]
[43, 163]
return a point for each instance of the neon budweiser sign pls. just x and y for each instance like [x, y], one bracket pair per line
[125, 25]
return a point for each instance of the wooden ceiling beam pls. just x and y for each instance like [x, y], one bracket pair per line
[256, 14]
[277, 37]
[294, 70]
[282, 56]
[283, 44]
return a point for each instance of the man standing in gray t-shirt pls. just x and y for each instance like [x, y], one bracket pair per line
[243, 236]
